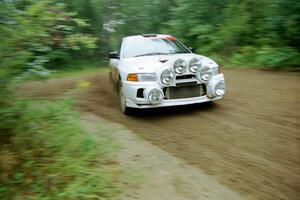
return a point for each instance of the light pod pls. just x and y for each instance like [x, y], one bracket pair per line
[206, 73]
[155, 96]
[167, 77]
[220, 89]
[195, 65]
[180, 66]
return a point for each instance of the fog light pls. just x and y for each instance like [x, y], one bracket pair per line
[220, 89]
[155, 96]
[206, 73]
[167, 77]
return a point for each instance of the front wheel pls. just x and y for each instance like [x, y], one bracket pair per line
[123, 105]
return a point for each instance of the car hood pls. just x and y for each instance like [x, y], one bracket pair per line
[149, 64]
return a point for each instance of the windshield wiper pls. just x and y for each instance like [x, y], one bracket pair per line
[151, 54]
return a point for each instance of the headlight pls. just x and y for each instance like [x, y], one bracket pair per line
[220, 89]
[167, 77]
[206, 73]
[141, 77]
[195, 65]
[155, 96]
[180, 66]
[147, 77]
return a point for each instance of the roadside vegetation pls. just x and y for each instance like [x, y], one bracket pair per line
[51, 156]
[45, 151]
[79, 68]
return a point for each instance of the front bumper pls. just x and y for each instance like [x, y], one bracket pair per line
[131, 88]
[172, 102]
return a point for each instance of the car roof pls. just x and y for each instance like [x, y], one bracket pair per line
[147, 35]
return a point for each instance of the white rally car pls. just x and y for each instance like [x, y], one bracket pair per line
[155, 70]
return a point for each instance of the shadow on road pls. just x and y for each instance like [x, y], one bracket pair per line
[173, 110]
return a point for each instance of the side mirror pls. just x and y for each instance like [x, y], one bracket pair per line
[192, 49]
[114, 55]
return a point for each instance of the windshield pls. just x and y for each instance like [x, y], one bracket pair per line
[136, 47]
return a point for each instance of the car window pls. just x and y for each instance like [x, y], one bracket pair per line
[135, 47]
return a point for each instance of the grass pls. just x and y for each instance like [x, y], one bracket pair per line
[75, 68]
[78, 72]
[51, 156]
[79, 67]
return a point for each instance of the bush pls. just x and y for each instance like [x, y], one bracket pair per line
[38, 36]
[277, 57]
[50, 156]
[245, 56]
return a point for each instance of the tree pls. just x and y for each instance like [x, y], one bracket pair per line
[39, 34]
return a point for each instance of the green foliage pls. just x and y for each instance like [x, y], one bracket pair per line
[225, 29]
[240, 32]
[228, 30]
[36, 37]
[76, 40]
[39, 35]
[277, 57]
[54, 157]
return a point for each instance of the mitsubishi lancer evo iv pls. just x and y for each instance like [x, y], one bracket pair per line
[156, 70]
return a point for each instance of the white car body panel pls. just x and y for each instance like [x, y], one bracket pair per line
[153, 64]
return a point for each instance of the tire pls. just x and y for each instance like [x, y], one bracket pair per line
[110, 77]
[115, 86]
[122, 97]
[208, 104]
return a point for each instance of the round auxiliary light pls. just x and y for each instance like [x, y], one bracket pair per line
[220, 89]
[206, 73]
[167, 77]
[155, 96]
[195, 65]
[180, 66]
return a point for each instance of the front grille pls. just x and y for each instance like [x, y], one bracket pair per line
[185, 91]
[188, 76]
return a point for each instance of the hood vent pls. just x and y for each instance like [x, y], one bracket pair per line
[163, 60]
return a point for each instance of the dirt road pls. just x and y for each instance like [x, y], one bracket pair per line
[249, 141]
